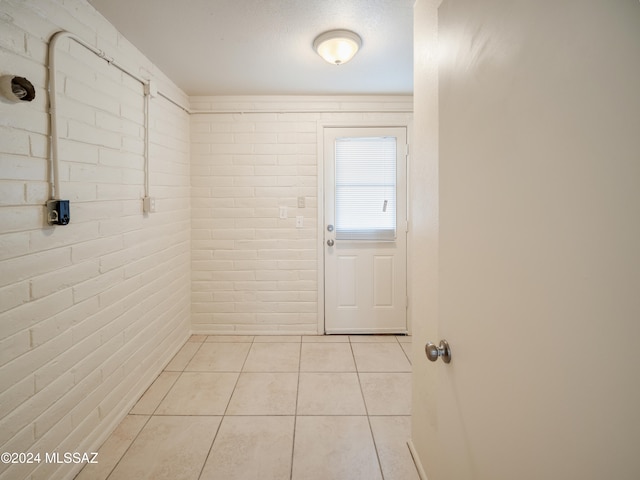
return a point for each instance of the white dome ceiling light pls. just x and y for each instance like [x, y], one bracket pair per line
[337, 46]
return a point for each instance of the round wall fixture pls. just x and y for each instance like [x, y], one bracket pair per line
[337, 46]
[17, 89]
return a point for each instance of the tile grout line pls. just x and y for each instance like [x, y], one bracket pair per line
[224, 414]
[126, 450]
[295, 413]
[403, 350]
[206, 458]
[177, 378]
[154, 410]
[366, 410]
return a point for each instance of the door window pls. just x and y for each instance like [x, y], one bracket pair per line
[365, 188]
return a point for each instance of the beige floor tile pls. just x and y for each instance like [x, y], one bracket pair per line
[406, 347]
[183, 357]
[391, 435]
[273, 357]
[387, 393]
[327, 357]
[113, 448]
[380, 357]
[277, 339]
[373, 338]
[332, 434]
[330, 394]
[251, 448]
[264, 394]
[168, 448]
[325, 339]
[229, 338]
[199, 393]
[334, 448]
[197, 338]
[219, 357]
[155, 393]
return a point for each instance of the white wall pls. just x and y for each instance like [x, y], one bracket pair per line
[89, 312]
[253, 272]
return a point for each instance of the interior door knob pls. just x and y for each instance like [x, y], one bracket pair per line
[434, 352]
[330, 242]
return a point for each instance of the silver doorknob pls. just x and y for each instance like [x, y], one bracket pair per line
[330, 242]
[434, 352]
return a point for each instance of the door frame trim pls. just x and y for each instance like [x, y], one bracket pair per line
[321, 126]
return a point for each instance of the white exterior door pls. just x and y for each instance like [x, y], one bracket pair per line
[538, 244]
[365, 230]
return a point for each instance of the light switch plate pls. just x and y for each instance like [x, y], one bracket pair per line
[149, 204]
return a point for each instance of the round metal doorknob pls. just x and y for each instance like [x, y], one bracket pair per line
[434, 352]
[330, 242]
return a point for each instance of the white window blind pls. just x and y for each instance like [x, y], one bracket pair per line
[365, 188]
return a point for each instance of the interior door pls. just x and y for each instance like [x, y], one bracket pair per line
[539, 234]
[365, 230]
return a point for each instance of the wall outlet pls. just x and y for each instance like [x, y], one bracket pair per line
[58, 212]
[299, 221]
[149, 204]
[283, 212]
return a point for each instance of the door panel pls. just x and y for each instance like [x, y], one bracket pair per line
[347, 281]
[383, 286]
[539, 227]
[365, 223]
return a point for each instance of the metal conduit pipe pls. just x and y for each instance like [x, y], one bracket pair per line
[53, 117]
[147, 95]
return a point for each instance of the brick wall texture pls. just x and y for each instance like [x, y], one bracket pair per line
[91, 312]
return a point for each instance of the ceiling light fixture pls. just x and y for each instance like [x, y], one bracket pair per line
[337, 46]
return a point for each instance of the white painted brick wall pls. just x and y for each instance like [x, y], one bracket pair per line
[89, 312]
[253, 272]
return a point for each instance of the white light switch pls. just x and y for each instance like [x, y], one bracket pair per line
[283, 212]
[300, 202]
[299, 221]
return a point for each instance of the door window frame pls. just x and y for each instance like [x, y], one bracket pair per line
[320, 250]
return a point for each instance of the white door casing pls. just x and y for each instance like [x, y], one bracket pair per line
[364, 280]
[538, 231]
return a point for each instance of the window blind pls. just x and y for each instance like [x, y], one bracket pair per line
[365, 195]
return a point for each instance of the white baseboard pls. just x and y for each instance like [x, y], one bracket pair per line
[255, 331]
[99, 435]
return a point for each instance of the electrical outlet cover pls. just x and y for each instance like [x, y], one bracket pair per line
[149, 204]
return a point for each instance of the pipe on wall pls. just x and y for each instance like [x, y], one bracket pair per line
[53, 117]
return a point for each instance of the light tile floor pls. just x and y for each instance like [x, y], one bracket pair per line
[270, 408]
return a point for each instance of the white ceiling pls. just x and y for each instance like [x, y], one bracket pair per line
[264, 47]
